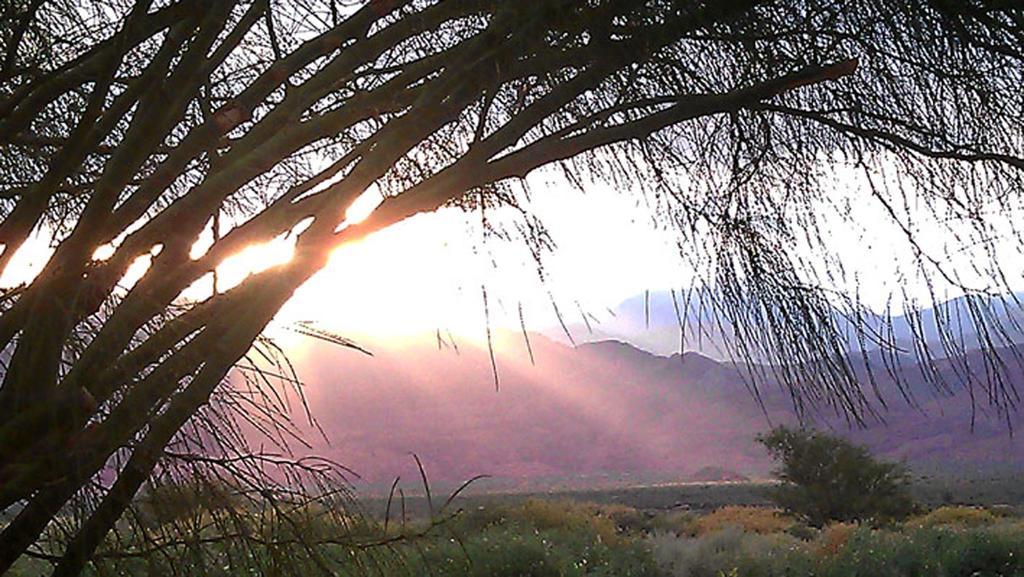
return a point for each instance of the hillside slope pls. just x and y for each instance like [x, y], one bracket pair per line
[601, 409]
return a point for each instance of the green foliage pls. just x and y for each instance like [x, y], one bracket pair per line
[957, 516]
[995, 551]
[749, 519]
[802, 531]
[562, 538]
[848, 551]
[536, 538]
[731, 551]
[682, 523]
[542, 514]
[826, 478]
[512, 550]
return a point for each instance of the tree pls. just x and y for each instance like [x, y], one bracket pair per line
[138, 127]
[827, 478]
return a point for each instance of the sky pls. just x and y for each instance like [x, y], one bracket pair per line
[424, 274]
[429, 272]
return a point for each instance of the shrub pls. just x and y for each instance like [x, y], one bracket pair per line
[496, 552]
[731, 551]
[826, 478]
[956, 516]
[846, 550]
[682, 523]
[571, 515]
[803, 531]
[749, 519]
[931, 551]
[626, 519]
[539, 514]
[537, 538]
[834, 537]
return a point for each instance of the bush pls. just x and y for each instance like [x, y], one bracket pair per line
[803, 531]
[681, 523]
[956, 516]
[731, 552]
[845, 550]
[932, 551]
[749, 519]
[542, 514]
[627, 519]
[537, 538]
[834, 537]
[825, 478]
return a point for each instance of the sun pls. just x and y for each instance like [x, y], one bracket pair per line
[429, 273]
[403, 281]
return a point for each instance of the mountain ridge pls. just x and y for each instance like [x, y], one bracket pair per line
[604, 408]
[652, 320]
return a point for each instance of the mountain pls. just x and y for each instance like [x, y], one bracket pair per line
[716, 475]
[651, 321]
[600, 410]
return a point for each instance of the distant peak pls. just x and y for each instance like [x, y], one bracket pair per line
[614, 345]
[693, 357]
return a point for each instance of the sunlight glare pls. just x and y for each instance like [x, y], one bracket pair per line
[363, 206]
[202, 244]
[103, 252]
[252, 260]
[27, 261]
[136, 270]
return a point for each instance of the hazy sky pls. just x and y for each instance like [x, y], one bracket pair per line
[423, 274]
[426, 273]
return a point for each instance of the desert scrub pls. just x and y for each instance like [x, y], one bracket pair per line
[536, 538]
[933, 551]
[731, 551]
[680, 523]
[843, 550]
[750, 519]
[542, 514]
[626, 519]
[514, 548]
[955, 516]
[803, 532]
[833, 538]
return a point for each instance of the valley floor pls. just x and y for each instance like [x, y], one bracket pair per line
[640, 532]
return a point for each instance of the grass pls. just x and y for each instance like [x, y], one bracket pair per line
[565, 538]
[536, 539]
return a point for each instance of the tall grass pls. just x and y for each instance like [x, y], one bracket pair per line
[541, 538]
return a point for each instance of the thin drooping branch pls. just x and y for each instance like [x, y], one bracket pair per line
[238, 122]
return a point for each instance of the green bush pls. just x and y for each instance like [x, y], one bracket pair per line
[731, 551]
[537, 538]
[680, 523]
[543, 514]
[749, 519]
[802, 531]
[956, 516]
[825, 478]
[845, 550]
[939, 552]
[833, 538]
